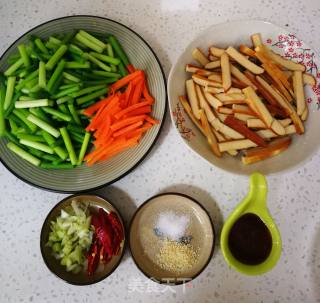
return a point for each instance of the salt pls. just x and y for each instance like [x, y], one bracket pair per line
[171, 225]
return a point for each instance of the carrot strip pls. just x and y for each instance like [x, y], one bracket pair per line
[104, 129]
[131, 108]
[121, 119]
[125, 80]
[98, 150]
[128, 94]
[146, 93]
[130, 143]
[96, 117]
[131, 68]
[95, 107]
[127, 129]
[140, 130]
[137, 92]
[106, 110]
[139, 111]
[103, 150]
[151, 120]
[127, 121]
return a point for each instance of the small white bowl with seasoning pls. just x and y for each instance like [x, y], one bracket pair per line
[171, 238]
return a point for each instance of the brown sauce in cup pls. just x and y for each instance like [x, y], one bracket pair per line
[250, 240]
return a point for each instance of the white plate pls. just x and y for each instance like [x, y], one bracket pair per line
[284, 43]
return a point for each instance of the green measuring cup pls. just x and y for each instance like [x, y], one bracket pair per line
[255, 203]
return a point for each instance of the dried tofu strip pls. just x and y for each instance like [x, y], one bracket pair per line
[217, 52]
[193, 99]
[215, 77]
[225, 110]
[213, 90]
[242, 109]
[305, 114]
[229, 97]
[204, 81]
[213, 101]
[247, 51]
[209, 134]
[221, 138]
[269, 134]
[213, 64]
[226, 74]
[299, 92]
[277, 76]
[280, 100]
[241, 76]
[214, 121]
[258, 106]
[242, 60]
[236, 145]
[231, 102]
[288, 64]
[284, 104]
[256, 39]
[258, 123]
[199, 56]
[234, 90]
[187, 108]
[194, 69]
[309, 79]
[261, 153]
[244, 117]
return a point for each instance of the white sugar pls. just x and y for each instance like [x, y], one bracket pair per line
[171, 225]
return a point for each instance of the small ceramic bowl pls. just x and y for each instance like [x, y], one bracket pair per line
[104, 270]
[234, 33]
[146, 241]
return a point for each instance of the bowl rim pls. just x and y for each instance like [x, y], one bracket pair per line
[174, 282]
[155, 139]
[122, 251]
[295, 166]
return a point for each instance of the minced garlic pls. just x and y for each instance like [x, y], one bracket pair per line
[176, 257]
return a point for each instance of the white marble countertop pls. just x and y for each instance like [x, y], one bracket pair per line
[168, 25]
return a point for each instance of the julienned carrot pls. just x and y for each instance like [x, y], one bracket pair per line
[152, 121]
[97, 153]
[127, 121]
[131, 108]
[139, 111]
[128, 94]
[95, 107]
[103, 129]
[115, 147]
[137, 92]
[120, 120]
[130, 68]
[103, 111]
[146, 93]
[125, 80]
[129, 143]
[140, 130]
[127, 129]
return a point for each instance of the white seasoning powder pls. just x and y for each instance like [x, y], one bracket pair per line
[171, 225]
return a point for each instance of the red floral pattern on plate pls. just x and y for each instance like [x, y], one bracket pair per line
[179, 119]
[295, 49]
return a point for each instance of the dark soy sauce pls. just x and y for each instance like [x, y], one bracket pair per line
[250, 241]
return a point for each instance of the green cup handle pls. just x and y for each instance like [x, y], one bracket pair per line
[258, 191]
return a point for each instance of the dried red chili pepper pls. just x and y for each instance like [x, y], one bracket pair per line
[118, 231]
[93, 257]
[108, 236]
